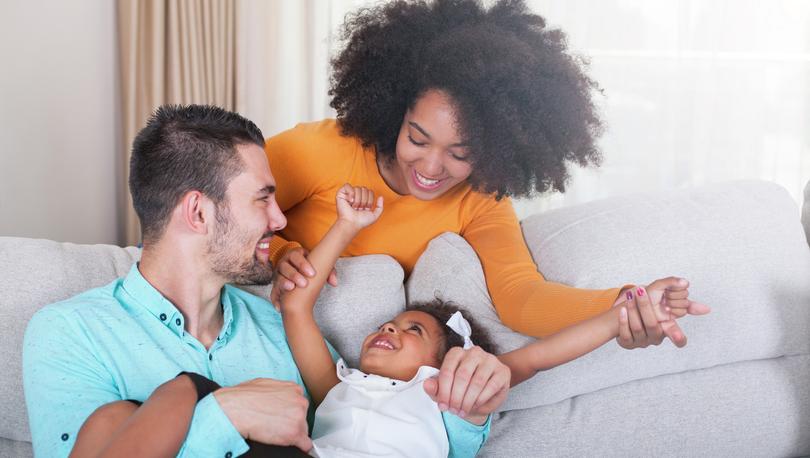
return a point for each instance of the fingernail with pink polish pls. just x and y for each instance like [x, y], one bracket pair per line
[640, 291]
[629, 295]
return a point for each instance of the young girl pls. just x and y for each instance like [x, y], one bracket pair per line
[382, 409]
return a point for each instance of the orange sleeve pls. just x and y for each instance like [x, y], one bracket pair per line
[279, 246]
[524, 300]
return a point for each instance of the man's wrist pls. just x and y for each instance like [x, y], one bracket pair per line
[478, 420]
[223, 398]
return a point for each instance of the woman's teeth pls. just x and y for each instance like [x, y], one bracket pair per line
[264, 245]
[427, 182]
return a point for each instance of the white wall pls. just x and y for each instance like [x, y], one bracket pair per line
[696, 91]
[59, 120]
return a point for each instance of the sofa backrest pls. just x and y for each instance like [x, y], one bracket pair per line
[806, 212]
[34, 273]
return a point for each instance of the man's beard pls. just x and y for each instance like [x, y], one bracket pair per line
[224, 248]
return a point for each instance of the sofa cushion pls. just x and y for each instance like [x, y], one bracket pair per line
[806, 212]
[740, 244]
[370, 292]
[749, 408]
[38, 272]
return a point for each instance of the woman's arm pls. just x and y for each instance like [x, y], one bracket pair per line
[306, 341]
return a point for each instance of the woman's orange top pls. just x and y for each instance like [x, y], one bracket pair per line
[312, 161]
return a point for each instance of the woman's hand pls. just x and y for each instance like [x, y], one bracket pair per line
[651, 313]
[291, 271]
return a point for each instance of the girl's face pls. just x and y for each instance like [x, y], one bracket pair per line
[430, 158]
[401, 346]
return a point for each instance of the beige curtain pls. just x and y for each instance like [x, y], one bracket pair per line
[171, 51]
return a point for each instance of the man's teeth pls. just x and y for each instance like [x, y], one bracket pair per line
[264, 245]
[425, 181]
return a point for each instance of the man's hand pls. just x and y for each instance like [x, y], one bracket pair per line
[292, 271]
[268, 411]
[471, 384]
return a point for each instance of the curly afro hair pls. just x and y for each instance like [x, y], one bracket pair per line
[523, 104]
[441, 311]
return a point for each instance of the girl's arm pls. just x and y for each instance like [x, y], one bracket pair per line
[157, 428]
[303, 335]
[565, 345]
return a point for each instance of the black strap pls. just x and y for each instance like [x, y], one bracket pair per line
[203, 385]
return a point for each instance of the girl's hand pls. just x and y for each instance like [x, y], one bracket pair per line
[356, 206]
[292, 271]
[651, 313]
[674, 293]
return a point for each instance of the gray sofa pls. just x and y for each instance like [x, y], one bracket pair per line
[740, 387]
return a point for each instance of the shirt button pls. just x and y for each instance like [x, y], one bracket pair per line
[65, 437]
[228, 455]
[162, 317]
[177, 322]
[210, 357]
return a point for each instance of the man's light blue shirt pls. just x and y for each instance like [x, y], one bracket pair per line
[123, 340]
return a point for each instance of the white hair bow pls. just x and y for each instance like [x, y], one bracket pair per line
[461, 326]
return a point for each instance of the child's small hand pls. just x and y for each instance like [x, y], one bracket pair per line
[356, 205]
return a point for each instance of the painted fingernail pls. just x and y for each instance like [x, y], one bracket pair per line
[442, 406]
[667, 309]
[629, 295]
[454, 412]
[462, 414]
[640, 291]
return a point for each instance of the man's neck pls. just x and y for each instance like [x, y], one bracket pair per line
[186, 282]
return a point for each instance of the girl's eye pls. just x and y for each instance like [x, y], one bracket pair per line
[459, 158]
[416, 328]
[414, 141]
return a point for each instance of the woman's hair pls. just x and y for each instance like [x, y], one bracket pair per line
[522, 102]
[442, 311]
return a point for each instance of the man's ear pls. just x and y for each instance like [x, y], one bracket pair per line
[196, 211]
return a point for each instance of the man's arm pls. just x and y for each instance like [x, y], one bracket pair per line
[65, 382]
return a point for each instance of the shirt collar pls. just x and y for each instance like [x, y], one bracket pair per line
[144, 294]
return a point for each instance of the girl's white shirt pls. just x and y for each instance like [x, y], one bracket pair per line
[368, 415]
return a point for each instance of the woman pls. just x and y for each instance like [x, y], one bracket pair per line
[447, 109]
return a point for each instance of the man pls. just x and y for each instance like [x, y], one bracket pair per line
[204, 194]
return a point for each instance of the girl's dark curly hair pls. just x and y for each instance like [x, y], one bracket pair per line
[441, 311]
[523, 103]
